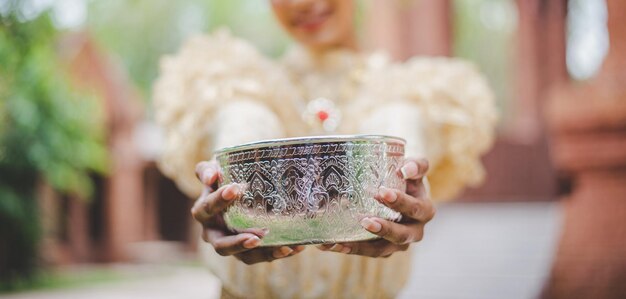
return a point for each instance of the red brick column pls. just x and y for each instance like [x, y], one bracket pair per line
[409, 28]
[588, 126]
[123, 199]
[79, 243]
[522, 142]
[430, 23]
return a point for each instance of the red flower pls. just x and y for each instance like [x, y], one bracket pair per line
[322, 115]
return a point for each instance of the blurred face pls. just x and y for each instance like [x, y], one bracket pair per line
[318, 24]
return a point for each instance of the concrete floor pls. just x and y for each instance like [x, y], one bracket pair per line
[486, 251]
[496, 250]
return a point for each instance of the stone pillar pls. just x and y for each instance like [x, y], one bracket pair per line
[588, 127]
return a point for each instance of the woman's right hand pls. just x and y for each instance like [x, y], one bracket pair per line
[208, 211]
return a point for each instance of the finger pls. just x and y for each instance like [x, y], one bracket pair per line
[417, 188]
[255, 256]
[209, 234]
[207, 172]
[298, 249]
[295, 250]
[281, 252]
[324, 247]
[377, 248]
[397, 233]
[340, 248]
[414, 169]
[266, 254]
[213, 203]
[260, 232]
[420, 209]
[230, 245]
[259, 255]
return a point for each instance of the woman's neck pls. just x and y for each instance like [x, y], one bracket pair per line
[349, 44]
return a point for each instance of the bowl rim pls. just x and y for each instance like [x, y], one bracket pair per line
[267, 143]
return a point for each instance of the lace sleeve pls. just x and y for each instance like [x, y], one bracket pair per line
[444, 108]
[216, 91]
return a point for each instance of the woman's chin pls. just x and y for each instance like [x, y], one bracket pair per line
[321, 40]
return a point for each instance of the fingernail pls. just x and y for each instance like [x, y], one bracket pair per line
[371, 225]
[409, 170]
[285, 250]
[206, 175]
[336, 248]
[346, 250]
[252, 242]
[323, 247]
[231, 192]
[387, 195]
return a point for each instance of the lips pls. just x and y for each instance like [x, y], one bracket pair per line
[313, 21]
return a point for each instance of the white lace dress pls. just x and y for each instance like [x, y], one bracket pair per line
[220, 91]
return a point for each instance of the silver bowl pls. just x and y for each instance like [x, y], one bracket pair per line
[311, 190]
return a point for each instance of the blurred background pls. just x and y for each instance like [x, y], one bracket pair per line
[84, 212]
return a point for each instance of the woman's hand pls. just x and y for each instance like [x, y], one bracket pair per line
[209, 209]
[415, 207]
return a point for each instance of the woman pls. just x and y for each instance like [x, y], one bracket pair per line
[219, 91]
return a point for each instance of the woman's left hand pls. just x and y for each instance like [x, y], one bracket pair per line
[414, 205]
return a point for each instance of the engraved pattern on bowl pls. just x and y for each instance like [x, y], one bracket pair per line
[314, 189]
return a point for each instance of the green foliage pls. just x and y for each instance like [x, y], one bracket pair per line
[54, 280]
[141, 31]
[484, 32]
[48, 132]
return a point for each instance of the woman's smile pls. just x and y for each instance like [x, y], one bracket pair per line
[317, 24]
[312, 21]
